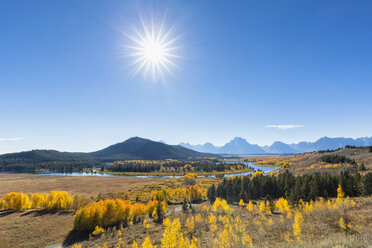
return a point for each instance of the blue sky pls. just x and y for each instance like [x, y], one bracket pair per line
[245, 65]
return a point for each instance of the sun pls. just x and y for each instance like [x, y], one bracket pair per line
[153, 49]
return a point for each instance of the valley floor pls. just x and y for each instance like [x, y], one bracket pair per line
[85, 186]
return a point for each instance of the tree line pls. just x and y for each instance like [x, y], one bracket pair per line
[293, 188]
[171, 165]
[337, 159]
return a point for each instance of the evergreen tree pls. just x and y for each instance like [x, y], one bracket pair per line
[159, 212]
[184, 206]
[211, 194]
[367, 183]
[230, 192]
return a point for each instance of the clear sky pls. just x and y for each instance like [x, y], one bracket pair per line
[245, 67]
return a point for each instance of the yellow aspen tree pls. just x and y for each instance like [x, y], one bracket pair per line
[199, 218]
[189, 224]
[342, 223]
[2, 204]
[223, 239]
[297, 225]
[212, 222]
[250, 206]
[120, 243]
[134, 244]
[247, 240]
[220, 205]
[241, 203]
[287, 237]
[268, 207]
[16, 201]
[262, 207]
[98, 231]
[270, 222]
[340, 193]
[194, 243]
[147, 243]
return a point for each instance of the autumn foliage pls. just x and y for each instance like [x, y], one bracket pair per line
[113, 212]
[177, 195]
[54, 200]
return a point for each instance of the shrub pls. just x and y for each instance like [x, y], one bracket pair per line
[190, 179]
[106, 213]
[16, 201]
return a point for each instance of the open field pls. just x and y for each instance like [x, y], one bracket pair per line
[29, 229]
[85, 186]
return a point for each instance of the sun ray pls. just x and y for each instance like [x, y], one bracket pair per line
[153, 49]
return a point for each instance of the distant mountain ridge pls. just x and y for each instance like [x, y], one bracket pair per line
[135, 148]
[239, 145]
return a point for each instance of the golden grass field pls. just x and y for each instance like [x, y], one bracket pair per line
[37, 229]
[33, 229]
[86, 186]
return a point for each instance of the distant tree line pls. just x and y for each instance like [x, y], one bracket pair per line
[347, 147]
[171, 165]
[293, 188]
[55, 166]
[337, 159]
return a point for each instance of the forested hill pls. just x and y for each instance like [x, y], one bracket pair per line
[145, 149]
[47, 160]
[133, 148]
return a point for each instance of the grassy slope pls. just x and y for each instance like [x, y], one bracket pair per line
[328, 232]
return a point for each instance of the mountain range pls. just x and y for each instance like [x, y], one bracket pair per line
[135, 148]
[240, 145]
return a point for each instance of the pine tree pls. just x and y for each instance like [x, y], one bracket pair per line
[184, 206]
[230, 195]
[211, 194]
[367, 184]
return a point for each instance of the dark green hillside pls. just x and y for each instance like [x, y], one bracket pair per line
[46, 160]
[145, 149]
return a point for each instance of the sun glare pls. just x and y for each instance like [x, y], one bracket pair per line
[153, 49]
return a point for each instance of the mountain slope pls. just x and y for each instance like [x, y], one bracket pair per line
[280, 148]
[239, 145]
[207, 147]
[139, 148]
[39, 156]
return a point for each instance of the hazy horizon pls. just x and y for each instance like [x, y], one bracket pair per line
[164, 141]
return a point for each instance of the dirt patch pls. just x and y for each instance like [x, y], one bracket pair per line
[33, 228]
